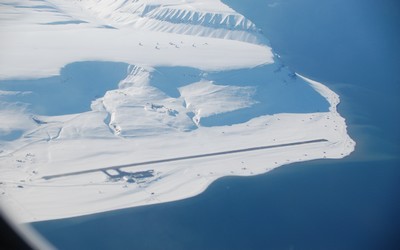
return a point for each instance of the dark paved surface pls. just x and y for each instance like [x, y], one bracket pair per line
[48, 177]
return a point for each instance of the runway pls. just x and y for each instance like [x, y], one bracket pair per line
[182, 158]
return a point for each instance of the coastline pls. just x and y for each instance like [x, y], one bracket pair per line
[90, 142]
[351, 203]
[180, 180]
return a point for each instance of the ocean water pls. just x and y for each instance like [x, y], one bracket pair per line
[352, 203]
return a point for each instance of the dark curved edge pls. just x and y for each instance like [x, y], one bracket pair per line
[10, 238]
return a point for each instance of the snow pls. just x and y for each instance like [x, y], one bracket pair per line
[40, 48]
[202, 18]
[120, 98]
[205, 98]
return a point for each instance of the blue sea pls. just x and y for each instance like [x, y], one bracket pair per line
[352, 46]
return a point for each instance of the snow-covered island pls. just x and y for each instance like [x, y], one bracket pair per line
[109, 104]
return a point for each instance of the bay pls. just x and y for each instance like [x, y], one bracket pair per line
[352, 203]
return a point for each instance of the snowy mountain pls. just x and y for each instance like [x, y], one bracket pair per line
[107, 104]
[198, 18]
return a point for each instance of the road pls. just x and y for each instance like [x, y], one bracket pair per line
[48, 177]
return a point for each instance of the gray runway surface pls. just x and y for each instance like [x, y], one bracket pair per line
[48, 177]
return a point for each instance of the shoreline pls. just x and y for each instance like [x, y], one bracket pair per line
[168, 126]
[186, 182]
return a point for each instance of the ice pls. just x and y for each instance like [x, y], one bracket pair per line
[108, 104]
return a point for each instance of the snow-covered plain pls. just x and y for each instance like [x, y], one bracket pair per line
[92, 90]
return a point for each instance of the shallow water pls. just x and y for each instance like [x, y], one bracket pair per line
[352, 203]
[70, 92]
[277, 89]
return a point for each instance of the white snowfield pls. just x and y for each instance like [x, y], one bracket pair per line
[110, 104]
